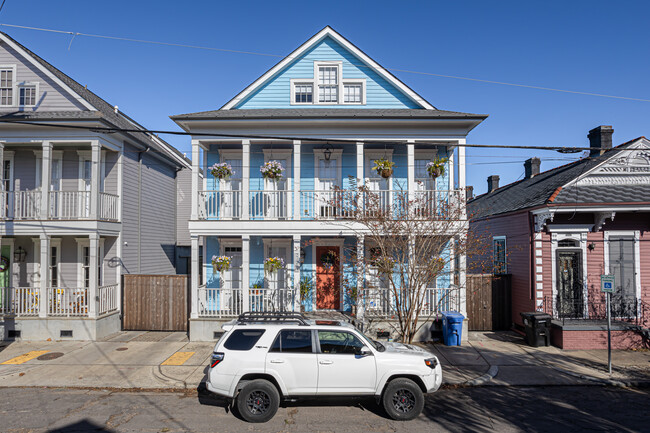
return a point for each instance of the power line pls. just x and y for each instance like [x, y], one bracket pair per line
[409, 71]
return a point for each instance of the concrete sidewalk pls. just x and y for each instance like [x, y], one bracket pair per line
[165, 360]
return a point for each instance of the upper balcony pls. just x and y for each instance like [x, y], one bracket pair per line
[42, 181]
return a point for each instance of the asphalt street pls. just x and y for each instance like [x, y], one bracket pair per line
[487, 409]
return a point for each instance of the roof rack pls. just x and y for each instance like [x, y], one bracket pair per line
[271, 317]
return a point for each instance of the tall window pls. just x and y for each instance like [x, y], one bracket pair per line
[499, 255]
[28, 95]
[622, 266]
[85, 265]
[54, 266]
[6, 86]
[328, 82]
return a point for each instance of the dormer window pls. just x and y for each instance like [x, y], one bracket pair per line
[328, 87]
[27, 93]
[7, 85]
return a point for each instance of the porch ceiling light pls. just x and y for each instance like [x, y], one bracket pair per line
[19, 255]
[327, 152]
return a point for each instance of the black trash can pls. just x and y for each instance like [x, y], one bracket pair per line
[538, 328]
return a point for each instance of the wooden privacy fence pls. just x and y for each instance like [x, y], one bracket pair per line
[489, 302]
[155, 302]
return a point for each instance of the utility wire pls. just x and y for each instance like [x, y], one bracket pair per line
[409, 71]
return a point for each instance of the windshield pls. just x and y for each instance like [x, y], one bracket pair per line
[376, 344]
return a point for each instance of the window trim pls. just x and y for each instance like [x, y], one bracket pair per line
[299, 82]
[505, 255]
[24, 84]
[14, 86]
[362, 82]
[337, 155]
[313, 81]
[636, 235]
[85, 242]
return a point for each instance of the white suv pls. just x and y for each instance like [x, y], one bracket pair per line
[264, 357]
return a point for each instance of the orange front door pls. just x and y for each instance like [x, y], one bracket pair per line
[328, 295]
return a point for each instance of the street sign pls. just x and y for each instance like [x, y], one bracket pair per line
[607, 283]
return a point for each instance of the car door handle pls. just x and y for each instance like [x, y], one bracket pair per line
[277, 361]
[326, 362]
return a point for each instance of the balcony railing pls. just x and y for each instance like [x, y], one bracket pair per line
[67, 301]
[107, 299]
[382, 302]
[19, 301]
[63, 205]
[328, 204]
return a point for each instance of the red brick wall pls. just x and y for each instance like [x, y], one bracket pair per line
[516, 229]
[587, 340]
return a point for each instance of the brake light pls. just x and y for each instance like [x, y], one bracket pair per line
[216, 358]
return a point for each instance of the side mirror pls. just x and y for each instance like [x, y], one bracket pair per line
[363, 351]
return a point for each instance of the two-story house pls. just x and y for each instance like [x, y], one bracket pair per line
[322, 115]
[79, 206]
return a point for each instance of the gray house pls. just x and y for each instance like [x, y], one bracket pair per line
[79, 206]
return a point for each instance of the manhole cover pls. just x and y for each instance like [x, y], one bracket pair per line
[50, 356]
[122, 349]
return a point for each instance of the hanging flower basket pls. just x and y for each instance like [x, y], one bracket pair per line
[329, 258]
[437, 264]
[222, 170]
[220, 263]
[273, 264]
[272, 170]
[436, 167]
[384, 167]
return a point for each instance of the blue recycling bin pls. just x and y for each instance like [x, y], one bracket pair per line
[452, 327]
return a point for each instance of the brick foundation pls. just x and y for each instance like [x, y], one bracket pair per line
[596, 339]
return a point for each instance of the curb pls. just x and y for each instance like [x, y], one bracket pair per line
[482, 380]
[608, 382]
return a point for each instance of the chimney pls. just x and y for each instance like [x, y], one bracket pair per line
[493, 182]
[532, 167]
[600, 139]
[469, 192]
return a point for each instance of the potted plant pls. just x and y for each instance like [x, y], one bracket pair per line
[220, 263]
[273, 264]
[222, 170]
[272, 170]
[436, 167]
[384, 167]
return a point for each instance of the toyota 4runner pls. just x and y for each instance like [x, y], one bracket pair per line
[265, 357]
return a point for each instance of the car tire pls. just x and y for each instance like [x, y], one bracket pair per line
[403, 399]
[258, 401]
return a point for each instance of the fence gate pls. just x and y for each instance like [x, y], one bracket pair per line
[155, 303]
[489, 302]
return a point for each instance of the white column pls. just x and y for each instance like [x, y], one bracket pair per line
[361, 277]
[95, 156]
[360, 174]
[2, 164]
[462, 290]
[410, 162]
[245, 178]
[93, 264]
[296, 179]
[196, 164]
[296, 273]
[246, 270]
[118, 272]
[462, 182]
[45, 274]
[194, 289]
[46, 178]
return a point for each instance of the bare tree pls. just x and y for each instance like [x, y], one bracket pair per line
[412, 241]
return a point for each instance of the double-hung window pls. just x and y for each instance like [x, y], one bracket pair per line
[622, 264]
[328, 84]
[27, 95]
[303, 93]
[352, 93]
[499, 255]
[7, 86]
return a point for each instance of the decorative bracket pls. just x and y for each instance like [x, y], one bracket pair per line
[600, 217]
[541, 219]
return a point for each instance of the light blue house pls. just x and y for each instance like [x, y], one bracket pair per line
[324, 114]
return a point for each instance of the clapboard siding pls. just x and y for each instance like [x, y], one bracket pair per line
[51, 96]
[111, 175]
[183, 206]
[130, 203]
[69, 265]
[24, 170]
[158, 224]
[70, 171]
[275, 93]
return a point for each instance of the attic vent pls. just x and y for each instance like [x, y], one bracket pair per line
[66, 333]
[216, 335]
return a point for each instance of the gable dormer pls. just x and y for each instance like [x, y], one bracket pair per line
[327, 71]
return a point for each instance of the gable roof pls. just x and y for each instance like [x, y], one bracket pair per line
[311, 42]
[98, 107]
[549, 188]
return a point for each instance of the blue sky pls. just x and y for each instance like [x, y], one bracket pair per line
[590, 46]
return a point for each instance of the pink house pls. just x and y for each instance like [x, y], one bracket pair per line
[556, 232]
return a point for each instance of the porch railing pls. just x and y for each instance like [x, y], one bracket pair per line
[20, 301]
[67, 301]
[220, 302]
[108, 206]
[270, 204]
[382, 302]
[330, 204]
[69, 204]
[23, 205]
[270, 299]
[221, 204]
[628, 309]
[107, 299]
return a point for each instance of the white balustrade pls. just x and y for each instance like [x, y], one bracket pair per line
[220, 204]
[67, 301]
[220, 302]
[269, 204]
[382, 302]
[108, 206]
[20, 301]
[24, 205]
[270, 299]
[69, 204]
[107, 299]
